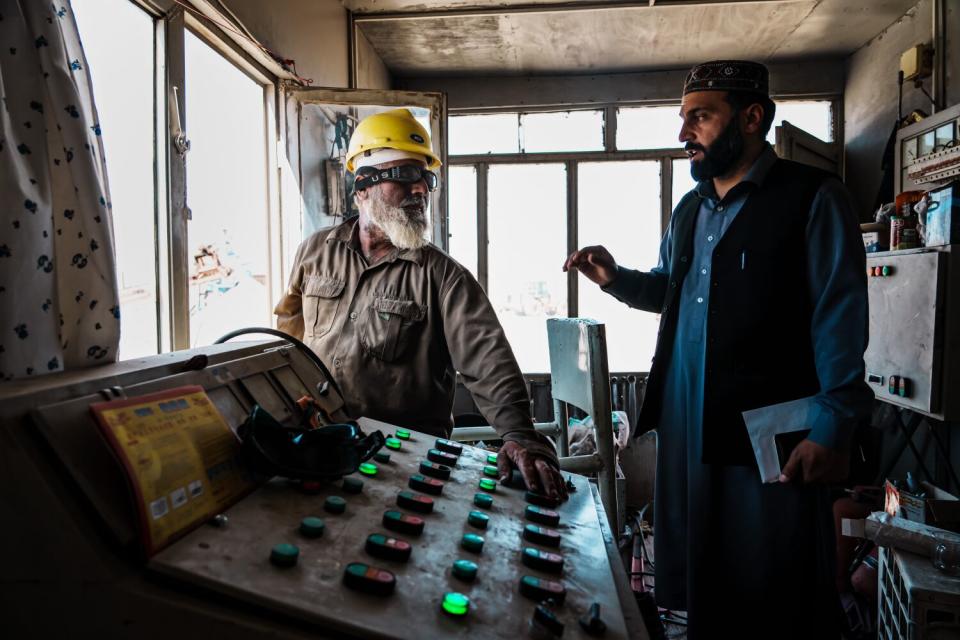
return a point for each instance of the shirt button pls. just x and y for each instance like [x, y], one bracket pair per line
[353, 315]
[710, 238]
[703, 271]
[720, 207]
[700, 300]
[337, 362]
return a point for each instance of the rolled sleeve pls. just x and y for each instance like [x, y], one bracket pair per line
[838, 292]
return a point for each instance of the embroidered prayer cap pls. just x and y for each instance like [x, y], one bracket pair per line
[728, 75]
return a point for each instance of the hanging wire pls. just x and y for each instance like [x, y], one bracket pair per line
[288, 64]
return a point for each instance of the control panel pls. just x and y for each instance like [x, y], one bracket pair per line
[423, 541]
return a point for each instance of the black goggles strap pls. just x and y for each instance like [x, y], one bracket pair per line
[368, 176]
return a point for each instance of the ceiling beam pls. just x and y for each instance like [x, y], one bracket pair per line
[560, 7]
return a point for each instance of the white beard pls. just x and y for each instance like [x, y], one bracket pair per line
[402, 229]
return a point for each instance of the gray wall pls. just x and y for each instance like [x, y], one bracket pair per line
[870, 97]
[472, 92]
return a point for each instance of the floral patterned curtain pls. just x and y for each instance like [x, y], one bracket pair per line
[59, 304]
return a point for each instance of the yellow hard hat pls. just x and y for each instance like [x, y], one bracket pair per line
[395, 129]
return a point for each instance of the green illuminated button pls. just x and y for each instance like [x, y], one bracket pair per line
[284, 555]
[541, 535]
[542, 560]
[490, 471]
[483, 500]
[414, 502]
[456, 604]
[478, 519]
[381, 456]
[426, 485]
[312, 527]
[488, 485]
[403, 434]
[465, 570]
[367, 579]
[388, 548]
[540, 500]
[403, 523]
[539, 590]
[449, 446]
[335, 504]
[368, 468]
[491, 458]
[393, 443]
[435, 470]
[542, 516]
[352, 485]
[435, 455]
[472, 542]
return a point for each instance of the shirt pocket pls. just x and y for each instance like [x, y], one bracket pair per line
[321, 301]
[389, 326]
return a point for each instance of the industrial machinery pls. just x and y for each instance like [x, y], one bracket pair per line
[422, 542]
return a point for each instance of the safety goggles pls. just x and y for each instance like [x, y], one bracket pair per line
[404, 174]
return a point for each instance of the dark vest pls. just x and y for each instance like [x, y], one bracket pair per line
[758, 349]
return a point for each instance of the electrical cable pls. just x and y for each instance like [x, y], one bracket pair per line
[304, 349]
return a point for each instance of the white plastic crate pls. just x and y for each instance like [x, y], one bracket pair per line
[917, 602]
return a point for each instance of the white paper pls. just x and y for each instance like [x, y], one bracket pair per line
[766, 422]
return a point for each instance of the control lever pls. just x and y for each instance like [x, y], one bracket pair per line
[545, 625]
[591, 622]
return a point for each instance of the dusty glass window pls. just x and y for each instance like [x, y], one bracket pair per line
[462, 224]
[648, 127]
[813, 116]
[119, 47]
[561, 131]
[475, 134]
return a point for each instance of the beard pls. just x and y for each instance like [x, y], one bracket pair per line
[721, 157]
[405, 226]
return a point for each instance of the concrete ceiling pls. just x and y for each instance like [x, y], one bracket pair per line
[514, 37]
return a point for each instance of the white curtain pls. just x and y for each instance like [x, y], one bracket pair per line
[59, 305]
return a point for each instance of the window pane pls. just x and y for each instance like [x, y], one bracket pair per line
[527, 222]
[682, 180]
[494, 133]
[462, 182]
[227, 191]
[648, 128]
[563, 131]
[630, 230]
[118, 44]
[813, 116]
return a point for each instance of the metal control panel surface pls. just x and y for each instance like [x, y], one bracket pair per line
[235, 559]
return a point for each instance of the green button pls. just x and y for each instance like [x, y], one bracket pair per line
[393, 443]
[456, 604]
[284, 555]
[488, 485]
[312, 527]
[483, 500]
[403, 434]
[335, 504]
[490, 471]
[352, 485]
[381, 456]
[368, 468]
[478, 519]
[491, 458]
[472, 542]
[465, 570]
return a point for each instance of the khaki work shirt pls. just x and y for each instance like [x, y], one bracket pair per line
[395, 333]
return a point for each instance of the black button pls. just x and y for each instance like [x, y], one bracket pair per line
[414, 502]
[382, 546]
[368, 579]
[542, 516]
[538, 589]
[540, 500]
[683, 258]
[352, 485]
[449, 446]
[545, 618]
[673, 284]
[541, 535]
[403, 523]
[426, 485]
[542, 560]
[435, 455]
[435, 470]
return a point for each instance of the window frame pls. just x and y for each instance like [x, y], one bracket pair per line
[572, 160]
